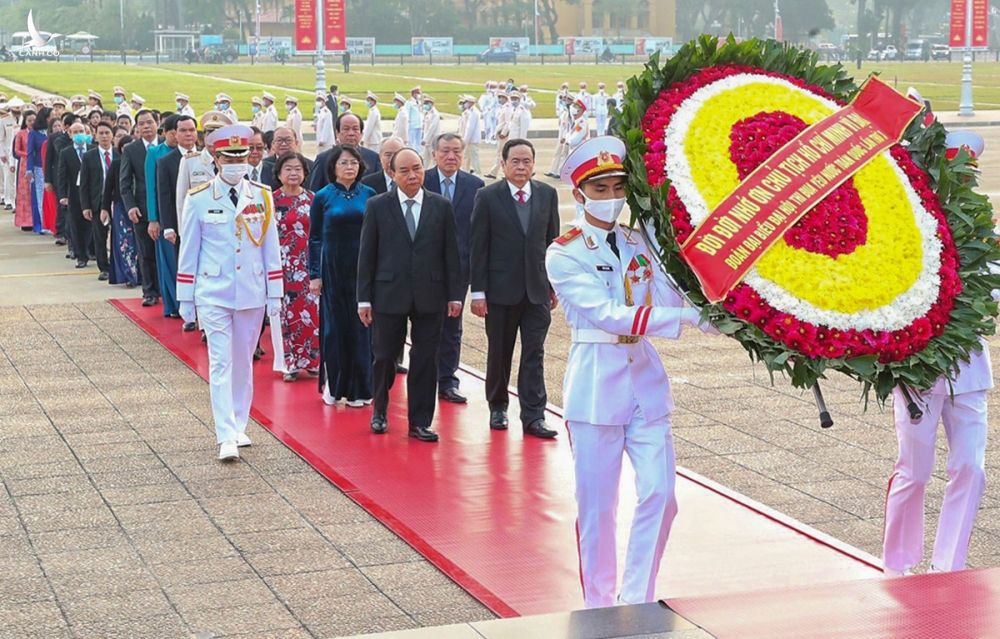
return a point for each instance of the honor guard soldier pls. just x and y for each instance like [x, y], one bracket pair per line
[229, 272]
[372, 137]
[400, 126]
[323, 124]
[616, 394]
[198, 167]
[414, 119]
[184, 104]
[121, 104]
[137, 102]
[226, 107]
[270, 120]
[257, 111]
[78, 104]
[294, 119]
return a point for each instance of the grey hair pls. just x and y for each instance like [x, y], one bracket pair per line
[447, 137]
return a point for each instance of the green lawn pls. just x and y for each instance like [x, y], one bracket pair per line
[937, 81]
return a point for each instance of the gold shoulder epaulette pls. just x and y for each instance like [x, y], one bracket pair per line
[569, 236]
[198, 189]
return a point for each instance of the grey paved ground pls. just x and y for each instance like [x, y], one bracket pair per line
[115, 521]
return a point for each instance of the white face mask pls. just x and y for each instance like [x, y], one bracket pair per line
[232, 173]
[604, 210]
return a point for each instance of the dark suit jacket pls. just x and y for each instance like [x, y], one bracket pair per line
[132, 176]
[266, 174]
[69, 170]
[466, 186]
[92, 179]
[508, 264]
[317, 174]
[112, 187]
[166, 189]
[268, 177]
[376, 181]
[397, 274]
[57, 143]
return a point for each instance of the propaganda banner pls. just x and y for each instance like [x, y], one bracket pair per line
[960, 10]
[334, 25]
[306, 28]
[791, 182]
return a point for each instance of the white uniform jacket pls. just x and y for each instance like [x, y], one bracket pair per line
[231, 114]
[294, 122]
[578, 132]
[414, 117]
[473, 132]
[324, 128]
[400, 126]
[124, 109]
[973, 375]
[520, 121]
[372, 137]
[220, 262]
[432, 127]
[195, 169]
[187, 109]
[600, 103]
[270, 120]
[590, 282]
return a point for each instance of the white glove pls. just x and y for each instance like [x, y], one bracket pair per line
[187, 311]
[273, 307]
[690, 316]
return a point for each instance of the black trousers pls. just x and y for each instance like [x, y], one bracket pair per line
[503, 323]
[147, 259]
[99, 233]
[450, 353]
[388, 335]
[81, 234]
[62, 222]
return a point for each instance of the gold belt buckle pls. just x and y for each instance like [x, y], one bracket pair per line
[628, 339]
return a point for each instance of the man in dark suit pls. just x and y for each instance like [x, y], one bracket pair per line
[380, 180]
[132, 185]
[349, 128]
[257, 171]
[69, 192]
[94, 169]
[408, 268]
[166, 204]
[57, 143]
[513, 222]
[283, 141]
[460, 188]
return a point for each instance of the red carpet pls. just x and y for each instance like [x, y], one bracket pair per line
[496, 512]
[958, 605]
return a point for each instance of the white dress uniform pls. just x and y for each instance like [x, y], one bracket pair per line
[231, 114]
[372, 136]
[503, 116]
[401, 125]
[616, 393]
[294, 121]
[578, 132]
[472, 135]
[230, 267]
[520, 121]
[270, 119]
[432, 128]
[600, 104]
[124, 109]
[196, 168]
[490, 107]
[965, 424]
[186, 108]
[323, 125]
[415, 122]
[619, 97]
[562, 146]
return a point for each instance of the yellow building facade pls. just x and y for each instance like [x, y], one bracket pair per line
[658, 18]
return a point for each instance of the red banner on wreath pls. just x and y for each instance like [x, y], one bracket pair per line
[791, 182]
[306, 27]
[334, 25]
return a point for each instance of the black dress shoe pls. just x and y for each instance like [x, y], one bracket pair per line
[188, 327]
[257, 354]
[401, 370]
[379, 424]
[423, 434]
[81, 263]
[174, 315]
[103, 276]
[538, 429]
[60, 241]
[148, 301]
[498, 420]
[453, 396]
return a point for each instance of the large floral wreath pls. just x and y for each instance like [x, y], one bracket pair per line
[885, 280]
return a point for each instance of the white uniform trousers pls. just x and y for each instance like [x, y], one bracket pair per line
[232, 339]
[601, 120]
[597, 457]
[10, 181]
[965, 424]
[562, 152]
[472, 158]
[416, 137]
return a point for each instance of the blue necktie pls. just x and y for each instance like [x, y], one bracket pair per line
[449, 192]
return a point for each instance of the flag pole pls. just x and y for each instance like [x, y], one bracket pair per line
[965, 107]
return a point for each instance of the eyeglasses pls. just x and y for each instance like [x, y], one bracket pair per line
[284, 140]
[348, 163]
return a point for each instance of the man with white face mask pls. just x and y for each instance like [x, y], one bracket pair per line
[616, 394]
[229, 271]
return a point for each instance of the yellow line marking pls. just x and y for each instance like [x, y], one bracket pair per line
[16, 275]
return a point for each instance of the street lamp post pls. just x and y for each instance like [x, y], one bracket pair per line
[965, 107]
[121, 16]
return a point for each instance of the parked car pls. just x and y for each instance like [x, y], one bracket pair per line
[496, 54]
[875, 54]
[890, 53]
[915, 50]
[940, 52]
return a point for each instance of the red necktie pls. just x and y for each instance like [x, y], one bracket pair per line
[520, 197]
[107, 159]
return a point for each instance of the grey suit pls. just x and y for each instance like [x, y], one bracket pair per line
[508, 266]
